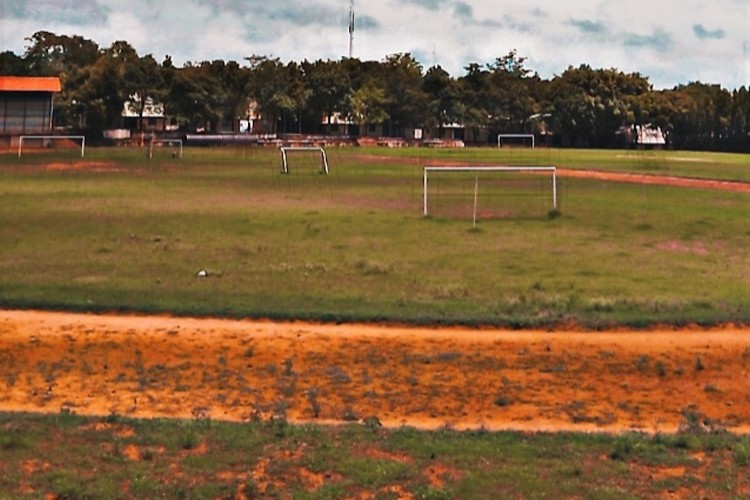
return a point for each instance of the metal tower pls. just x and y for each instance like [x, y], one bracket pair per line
[351, 29]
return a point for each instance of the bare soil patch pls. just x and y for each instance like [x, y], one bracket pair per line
[88, 166]
[74, 166]
[651, 381]
[658, 180]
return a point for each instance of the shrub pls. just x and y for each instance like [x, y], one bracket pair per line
[742, 455]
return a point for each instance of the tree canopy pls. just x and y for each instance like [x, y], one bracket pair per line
[582, 106]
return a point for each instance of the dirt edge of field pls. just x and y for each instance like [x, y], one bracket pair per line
[658, 381]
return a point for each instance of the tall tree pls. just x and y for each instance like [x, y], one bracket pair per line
[278, 90]
[509, 93]
[367, 104]
[591, 105]
[144, 84]
[329, 88]
[69, 58]
[445, 106]
[12, 64]
[740, 120]
[407, 104]
[472, 88]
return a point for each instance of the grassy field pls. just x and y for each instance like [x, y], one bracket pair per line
[73, 457]
[120, 232]
[117, 232]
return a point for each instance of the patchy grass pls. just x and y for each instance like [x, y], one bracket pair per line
[90, 457]
[117, 232]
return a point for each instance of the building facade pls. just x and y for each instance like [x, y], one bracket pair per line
[26, 105]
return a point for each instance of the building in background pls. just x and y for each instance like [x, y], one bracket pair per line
[26, 106]
[150, 118]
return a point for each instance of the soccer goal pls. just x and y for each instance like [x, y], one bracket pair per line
[516, 140]
[51, 142]
[490, 191]
[285, 151]
[174, 144]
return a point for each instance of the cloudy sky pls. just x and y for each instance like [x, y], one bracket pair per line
[670, 41]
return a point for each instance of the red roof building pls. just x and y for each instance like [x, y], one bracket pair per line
[26, 104]
[30, 84]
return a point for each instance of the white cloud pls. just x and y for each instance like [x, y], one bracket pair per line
[670, 41]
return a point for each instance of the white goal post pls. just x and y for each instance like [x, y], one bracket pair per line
[477, 169]
[286, 150]
[500, 138]
[49, 138]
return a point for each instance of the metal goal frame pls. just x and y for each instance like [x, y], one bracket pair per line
[286, 150]
[487, 168]
[500, 137]
[82, 138]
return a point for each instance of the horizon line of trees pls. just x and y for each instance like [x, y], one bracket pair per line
[582, 107]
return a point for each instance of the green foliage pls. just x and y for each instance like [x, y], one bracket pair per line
[189, 439]
[12, 441]
[583, 106]
[373, 473]
[64, 484]
[742, 455]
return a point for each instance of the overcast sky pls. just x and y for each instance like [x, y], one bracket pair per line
[670, 41]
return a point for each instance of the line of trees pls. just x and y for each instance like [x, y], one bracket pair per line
[582, 107]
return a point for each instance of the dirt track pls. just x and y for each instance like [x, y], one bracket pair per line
[658, 180]
[239, 370]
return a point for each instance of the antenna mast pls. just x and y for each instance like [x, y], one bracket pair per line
[351, 29]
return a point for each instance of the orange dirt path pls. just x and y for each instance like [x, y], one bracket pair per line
[658, 180]
[238, 370]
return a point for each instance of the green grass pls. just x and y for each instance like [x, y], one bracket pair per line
[85, 458]
[353, 246]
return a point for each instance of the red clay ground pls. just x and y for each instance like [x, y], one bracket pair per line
[464, 378]
[658, 180]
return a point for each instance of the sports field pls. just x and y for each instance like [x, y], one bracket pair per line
[117, 232]
[248, 295]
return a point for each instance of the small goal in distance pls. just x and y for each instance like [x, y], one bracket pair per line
[175, 145]
[52, 142]
[489, 191]
[516, 140]
[285, 151]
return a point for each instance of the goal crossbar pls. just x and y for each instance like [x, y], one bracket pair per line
[286, 150]
[491, 168]
[43, 137]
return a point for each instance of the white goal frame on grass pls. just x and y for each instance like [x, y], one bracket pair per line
[156, 142]
[43, 137]
[285, 161]
[489, 168]
[500, 137]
